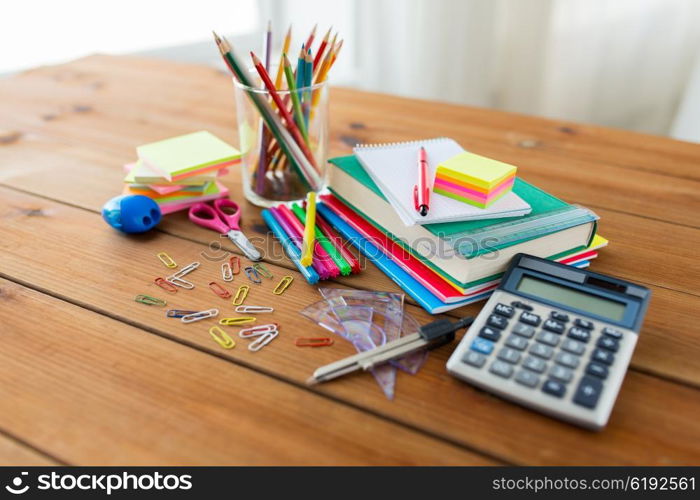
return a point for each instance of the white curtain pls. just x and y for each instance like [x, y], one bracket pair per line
[621, 63]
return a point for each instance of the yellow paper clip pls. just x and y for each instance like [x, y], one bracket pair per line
[283, 285]
[262, 270]
[241, 320]
[241, 294]
[166, 259]
[221, 338]
[150, 301]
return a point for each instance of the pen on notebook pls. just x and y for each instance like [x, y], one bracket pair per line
[421, 191]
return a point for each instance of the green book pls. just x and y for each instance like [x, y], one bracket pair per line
[470, 251]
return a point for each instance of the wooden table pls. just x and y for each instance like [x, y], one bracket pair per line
[88, 376]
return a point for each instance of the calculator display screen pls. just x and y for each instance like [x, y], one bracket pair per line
[572, 298]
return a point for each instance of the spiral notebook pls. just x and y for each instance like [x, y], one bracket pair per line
[394, 168]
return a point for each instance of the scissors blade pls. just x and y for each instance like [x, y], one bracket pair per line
[239, 239]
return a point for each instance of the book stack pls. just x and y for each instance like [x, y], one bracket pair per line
[181, 171]
[445, 265]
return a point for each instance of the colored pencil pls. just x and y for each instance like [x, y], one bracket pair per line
[322, 47]
[285, 49]
[310, 40]
[295, 97]
[309, 229]
[262, 156]
[305, 168]
[300, 136]
[308, 76]
[326, 60]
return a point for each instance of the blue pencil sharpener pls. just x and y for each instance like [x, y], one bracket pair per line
[131, 213]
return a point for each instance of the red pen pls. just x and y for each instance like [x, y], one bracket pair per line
[421, 191]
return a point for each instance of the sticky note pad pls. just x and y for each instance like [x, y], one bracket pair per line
[185, 154]
[474, 179]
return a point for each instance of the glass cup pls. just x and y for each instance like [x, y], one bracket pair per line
[272, 170]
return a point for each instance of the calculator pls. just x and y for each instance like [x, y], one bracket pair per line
[554, 338]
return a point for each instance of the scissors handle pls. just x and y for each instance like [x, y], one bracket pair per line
[205, 216]
[229, 211]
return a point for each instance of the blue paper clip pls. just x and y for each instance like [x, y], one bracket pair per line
[253, 275]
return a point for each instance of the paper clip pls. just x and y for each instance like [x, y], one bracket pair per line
[177, 281]
[150, 301]
[235, 263]
[258, 344]
[221, 338]
[166, 259]
[241, 294]
[313, 341]
[178, 313]
[185, 270]
[256, 331]
[254, 309]
[226, 272]
[283, 285]
[219, 290]
[165, 285]
[242, 320]
[191, 318]
[253, 275]
[262, 270]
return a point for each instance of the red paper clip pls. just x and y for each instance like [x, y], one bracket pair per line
[165, 285]
[235, 264]
[313, 341]
[219, 290]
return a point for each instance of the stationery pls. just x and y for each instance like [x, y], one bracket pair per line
[421, 191]
[292, 251]
[309, 230]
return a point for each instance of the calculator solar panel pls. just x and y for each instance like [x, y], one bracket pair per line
[553, 338]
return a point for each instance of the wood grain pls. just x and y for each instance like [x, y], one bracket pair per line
[105, 393]
[15, 454]
[71, 127]
[35, 231]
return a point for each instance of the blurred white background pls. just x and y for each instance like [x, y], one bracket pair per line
[632, 64]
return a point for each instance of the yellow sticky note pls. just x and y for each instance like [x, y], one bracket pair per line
[476, 170]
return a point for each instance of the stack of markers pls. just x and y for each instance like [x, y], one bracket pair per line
[181, 171]
[310, 242]
[287, 144]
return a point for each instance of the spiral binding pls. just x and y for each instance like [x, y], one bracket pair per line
[392, 145]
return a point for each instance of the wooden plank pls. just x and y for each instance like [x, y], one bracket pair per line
[100, 269]
[15, 454]
[92, 390]
[92, 99]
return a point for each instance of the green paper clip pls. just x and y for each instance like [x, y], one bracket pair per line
[150, 301]
[262, 270]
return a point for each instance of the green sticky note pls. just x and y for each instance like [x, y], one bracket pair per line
[187, 153]
[473, 169]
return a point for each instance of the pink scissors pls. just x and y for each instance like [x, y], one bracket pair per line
[223, 218]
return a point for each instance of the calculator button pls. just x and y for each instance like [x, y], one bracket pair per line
[559, 316]
[554, 388]
[579, 334]
[583, 323]
[516, 342]
[601, 356]
[588, 392]
[534, 364]
[561, 374]
[573, 346]
[608, 343]
[541, 350]
[504, 310]
[509, 355]
[482, 345]
[490, 334]
[566, 359]
[597, 370]
[474, 358]
[553, 326]
[497, 321]
[548, 338]
[612, 332]
[527, 378]
[530, 318]
[501, 369]
[520, 305]
[523, 330]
